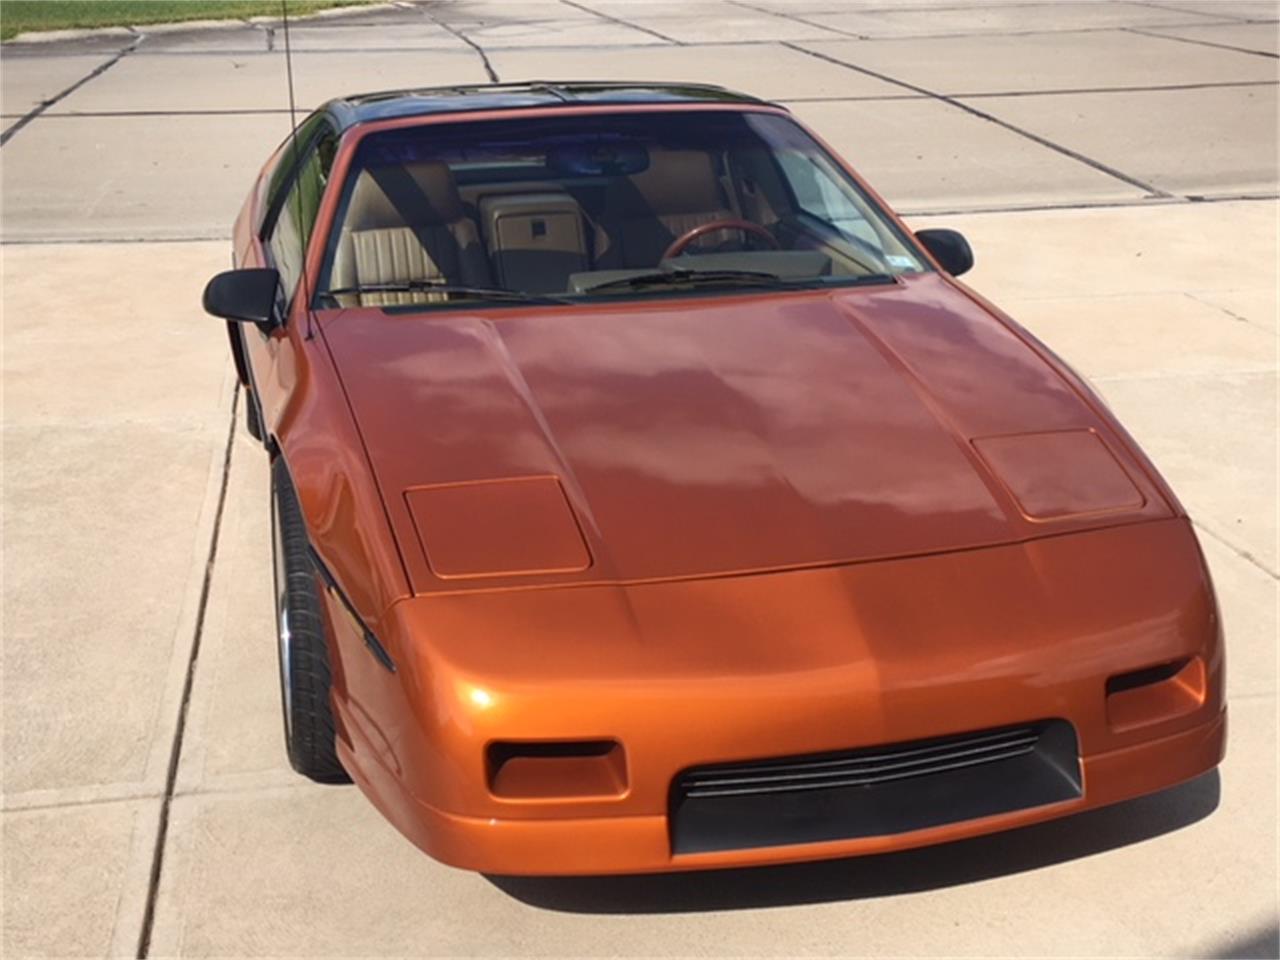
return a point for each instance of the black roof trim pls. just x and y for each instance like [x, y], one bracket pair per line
[464, 98]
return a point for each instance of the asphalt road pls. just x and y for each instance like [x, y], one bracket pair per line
[1114, 165]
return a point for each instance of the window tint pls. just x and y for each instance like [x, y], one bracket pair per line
[820, 194]
[297, 214]
[297, 144]
[563, 205]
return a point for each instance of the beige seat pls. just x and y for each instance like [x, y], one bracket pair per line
[407, 223]
[643, 214]
[536, 241]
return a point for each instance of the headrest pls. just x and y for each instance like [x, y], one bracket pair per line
[677, 181]
[415, 193]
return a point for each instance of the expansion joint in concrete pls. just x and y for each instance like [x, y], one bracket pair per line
[175, 752]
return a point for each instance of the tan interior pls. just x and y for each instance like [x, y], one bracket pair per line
[378, 245]
[535, 240]
[409, 223]
[646, 212]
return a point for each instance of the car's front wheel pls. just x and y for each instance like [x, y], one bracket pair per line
[303, 649]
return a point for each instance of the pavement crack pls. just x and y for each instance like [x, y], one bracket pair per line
[484, 57]
[19, 807]
[210, 112]
[622, 23]
[1203, 43]
[1145, 88]
[1002, 94]
[175, 752]
[1230, 313]
[46, 104]
[1150, 189]
[1244, 555]
[1184, 11]
[789, 15]
[959, 211]
[33, 241]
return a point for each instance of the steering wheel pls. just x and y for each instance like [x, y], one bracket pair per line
[744, 226]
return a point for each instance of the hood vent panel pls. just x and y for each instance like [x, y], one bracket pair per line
[497, 528]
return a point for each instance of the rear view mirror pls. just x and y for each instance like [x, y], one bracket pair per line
[602, 157]
[243, 295]
[949, 248]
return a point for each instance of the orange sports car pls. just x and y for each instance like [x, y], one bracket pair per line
[647, 496]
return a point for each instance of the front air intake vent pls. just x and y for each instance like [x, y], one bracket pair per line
[874, 791]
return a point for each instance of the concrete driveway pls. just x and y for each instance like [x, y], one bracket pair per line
[1113, 164]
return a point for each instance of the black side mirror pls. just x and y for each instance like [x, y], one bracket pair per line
[245, 295]
[949, 248]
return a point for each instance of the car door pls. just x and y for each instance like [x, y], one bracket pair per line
[293, 199]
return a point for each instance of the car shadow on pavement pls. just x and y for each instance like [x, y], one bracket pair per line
[1261, 944]
[878, 875]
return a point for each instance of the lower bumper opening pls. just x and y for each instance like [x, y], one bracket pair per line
[556, 770]
[875, 791]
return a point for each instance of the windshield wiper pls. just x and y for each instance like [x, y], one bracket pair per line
[672, 278]
[440, 286]
[745, 278]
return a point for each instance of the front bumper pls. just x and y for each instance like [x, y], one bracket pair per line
[1085, 628]
[642, 844]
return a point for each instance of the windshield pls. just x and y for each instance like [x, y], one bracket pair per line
[579, 207]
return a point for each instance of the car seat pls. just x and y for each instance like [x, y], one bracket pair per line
[645, 212]
[406, 223]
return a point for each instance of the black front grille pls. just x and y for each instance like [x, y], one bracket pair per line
[874, 791]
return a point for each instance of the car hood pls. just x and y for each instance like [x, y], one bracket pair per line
[694, 436]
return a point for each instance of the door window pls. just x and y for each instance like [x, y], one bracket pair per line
[290, 234]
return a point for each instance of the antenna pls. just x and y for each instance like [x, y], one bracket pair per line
[303, 283]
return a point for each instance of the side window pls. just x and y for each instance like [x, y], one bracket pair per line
[289, 235]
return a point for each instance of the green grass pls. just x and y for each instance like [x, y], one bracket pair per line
[20, 16]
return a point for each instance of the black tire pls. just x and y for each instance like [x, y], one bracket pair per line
[305, 678]
[252, 416]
